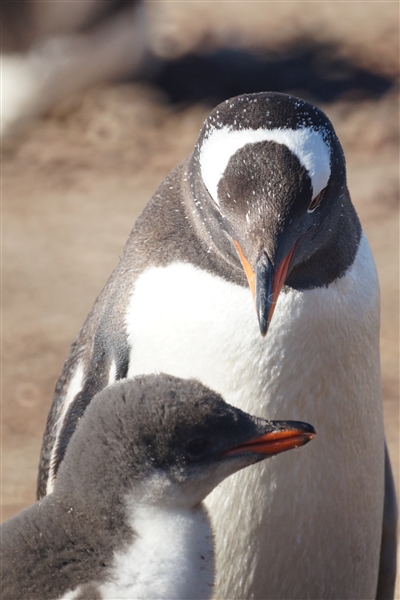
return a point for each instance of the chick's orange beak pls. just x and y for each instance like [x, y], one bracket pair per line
[290, 435]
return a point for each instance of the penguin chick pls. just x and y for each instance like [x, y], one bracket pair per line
[125, 519]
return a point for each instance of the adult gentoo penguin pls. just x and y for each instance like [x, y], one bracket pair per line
[125, 518]
[262, 203]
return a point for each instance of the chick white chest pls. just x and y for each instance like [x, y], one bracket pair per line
[171, 557]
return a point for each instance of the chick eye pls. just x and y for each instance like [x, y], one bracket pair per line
[316, 201]
[196, 447]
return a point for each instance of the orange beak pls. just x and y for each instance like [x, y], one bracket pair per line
[251, 278]
[291, 434]
[266, 285]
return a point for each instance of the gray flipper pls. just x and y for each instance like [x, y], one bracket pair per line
[387, 565]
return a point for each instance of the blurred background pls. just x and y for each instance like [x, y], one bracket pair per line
[100, 99]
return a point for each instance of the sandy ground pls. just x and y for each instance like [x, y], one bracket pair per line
[74, 183]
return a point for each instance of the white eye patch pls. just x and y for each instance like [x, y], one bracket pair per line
[307, 144]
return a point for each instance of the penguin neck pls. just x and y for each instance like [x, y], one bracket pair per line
[171, 555]
[180, 219]
[211, 227]
[97, 512]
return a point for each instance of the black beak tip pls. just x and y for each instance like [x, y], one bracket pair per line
[263, 326]
[304, 427]
[262, 314]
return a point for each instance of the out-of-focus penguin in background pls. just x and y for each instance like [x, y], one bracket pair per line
[53, 49]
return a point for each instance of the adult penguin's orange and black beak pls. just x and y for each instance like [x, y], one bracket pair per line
[265, 284]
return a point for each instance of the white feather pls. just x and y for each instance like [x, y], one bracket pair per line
[307, 144]
[75, 386]
[170, 558]
[112, 373]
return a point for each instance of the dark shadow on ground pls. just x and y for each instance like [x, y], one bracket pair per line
[314, 72]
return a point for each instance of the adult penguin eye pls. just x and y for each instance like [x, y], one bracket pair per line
[196, 447]
[316, 201]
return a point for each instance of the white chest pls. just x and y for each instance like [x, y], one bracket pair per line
[184, 321]
[171, 558]
[321, 505]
